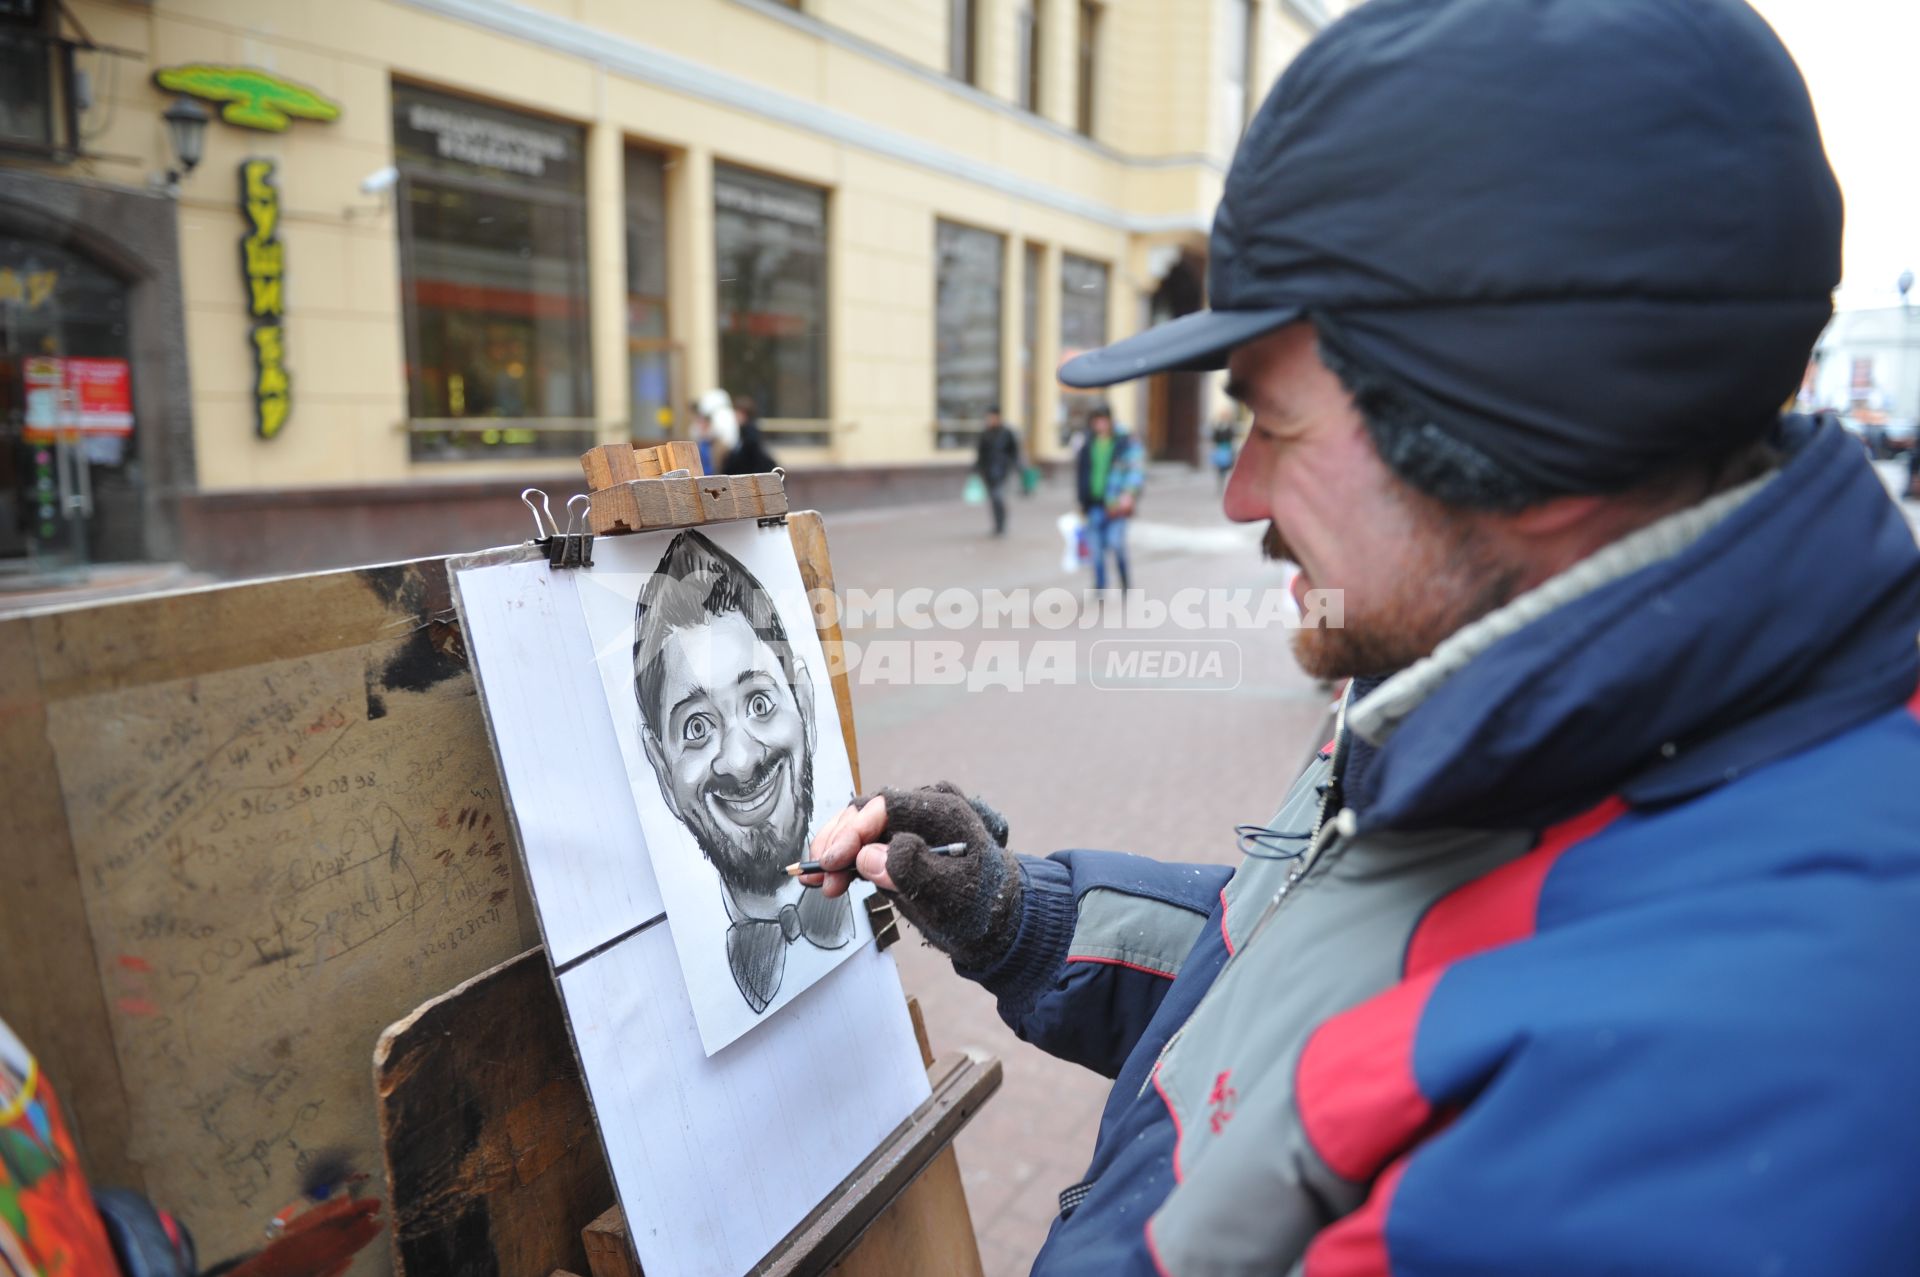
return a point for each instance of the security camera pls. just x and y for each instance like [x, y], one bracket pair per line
[379, 181]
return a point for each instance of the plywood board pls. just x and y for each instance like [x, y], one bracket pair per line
[285, 832]
[491, 1154]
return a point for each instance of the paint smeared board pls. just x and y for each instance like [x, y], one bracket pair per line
[286, 832]
[491, 1153]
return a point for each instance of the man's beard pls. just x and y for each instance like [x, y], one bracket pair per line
[755, 860]
[1453, 580]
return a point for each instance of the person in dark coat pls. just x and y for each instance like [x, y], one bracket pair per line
[997, 459]
[750, 455]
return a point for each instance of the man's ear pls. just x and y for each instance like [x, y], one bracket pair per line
[803, 697]
[1555, 515]
[657, 758]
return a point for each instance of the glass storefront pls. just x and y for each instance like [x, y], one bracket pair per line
[966, 346]
[1083, 327]
[770, 242]
[69, 467]
[493, 259]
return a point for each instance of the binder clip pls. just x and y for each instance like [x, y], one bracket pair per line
[572, 548]
[886, 925]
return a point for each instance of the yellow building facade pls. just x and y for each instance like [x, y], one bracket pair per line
[475, 237]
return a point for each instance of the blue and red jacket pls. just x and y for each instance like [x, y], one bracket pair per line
[1592, 952]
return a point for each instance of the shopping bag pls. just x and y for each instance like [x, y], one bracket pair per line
[976, 490]
[1029, 480]
[1073, 533]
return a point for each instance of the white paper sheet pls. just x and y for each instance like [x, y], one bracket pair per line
[715, 1158]
[702, 910]
[718, 1158]
[586, 860]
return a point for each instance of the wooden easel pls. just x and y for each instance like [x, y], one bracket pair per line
[246, 829]
[484, 1116]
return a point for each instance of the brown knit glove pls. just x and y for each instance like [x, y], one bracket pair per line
[968, 903]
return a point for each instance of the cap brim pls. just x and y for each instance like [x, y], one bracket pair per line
[1197, 342]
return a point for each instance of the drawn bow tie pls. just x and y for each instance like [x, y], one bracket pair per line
[757, 947]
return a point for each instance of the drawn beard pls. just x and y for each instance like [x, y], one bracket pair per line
[755, 860]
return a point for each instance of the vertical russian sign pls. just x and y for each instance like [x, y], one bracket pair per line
[263, 267]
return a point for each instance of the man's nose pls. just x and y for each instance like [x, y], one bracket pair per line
[1245, 500]
[739, 753]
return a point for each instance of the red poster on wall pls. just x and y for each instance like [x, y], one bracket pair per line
[78, 396]
[102, 391]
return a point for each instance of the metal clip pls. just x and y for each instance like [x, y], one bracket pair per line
[574, 547]
[542, 532]
[886, 926]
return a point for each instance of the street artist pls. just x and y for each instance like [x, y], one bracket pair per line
[1587, 945]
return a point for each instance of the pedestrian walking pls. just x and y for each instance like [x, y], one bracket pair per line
[1109, 474]
[1577, 950]
[749, 454]
[715, 430]
[1223, 433]
[996, 460]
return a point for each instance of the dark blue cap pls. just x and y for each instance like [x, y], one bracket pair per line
[1590, 236]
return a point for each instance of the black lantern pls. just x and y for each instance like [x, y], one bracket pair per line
[187, 132]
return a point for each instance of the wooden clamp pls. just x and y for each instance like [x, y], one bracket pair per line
[635, 489]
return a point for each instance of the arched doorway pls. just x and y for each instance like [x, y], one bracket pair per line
[1174, 398]
[95, 408]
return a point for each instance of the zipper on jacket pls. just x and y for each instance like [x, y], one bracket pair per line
[1333, 821]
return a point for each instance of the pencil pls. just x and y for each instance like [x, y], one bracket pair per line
[815, 867]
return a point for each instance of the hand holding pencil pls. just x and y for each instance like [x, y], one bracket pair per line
[942, 858]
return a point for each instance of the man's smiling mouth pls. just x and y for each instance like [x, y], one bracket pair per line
[751, 807]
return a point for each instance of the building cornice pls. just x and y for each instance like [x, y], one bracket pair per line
[625, 56]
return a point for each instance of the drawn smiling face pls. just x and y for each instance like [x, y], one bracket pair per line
[734, 750]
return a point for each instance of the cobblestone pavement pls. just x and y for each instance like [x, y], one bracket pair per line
[1163, 773]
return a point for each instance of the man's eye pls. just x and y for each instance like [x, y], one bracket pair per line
[696, 729]
[760, 705]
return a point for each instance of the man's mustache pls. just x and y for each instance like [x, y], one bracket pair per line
[734, 790]
[1274, 546]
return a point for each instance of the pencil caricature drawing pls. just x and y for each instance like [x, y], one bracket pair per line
[729, 725]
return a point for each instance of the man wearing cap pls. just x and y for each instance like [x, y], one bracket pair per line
[1585, 947]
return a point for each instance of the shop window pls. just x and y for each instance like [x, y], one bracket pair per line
[37, 104]
[966, 363]
[770, 245]
[1083, 327]
[69, 480]
[493, 260]
[653, 359]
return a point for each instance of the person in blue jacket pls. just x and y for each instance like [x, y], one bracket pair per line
[1108, 477]
[1580, 949]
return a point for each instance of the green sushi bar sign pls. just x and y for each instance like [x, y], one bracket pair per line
[248, 97]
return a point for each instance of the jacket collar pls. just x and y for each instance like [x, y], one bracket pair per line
[1718, 640]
